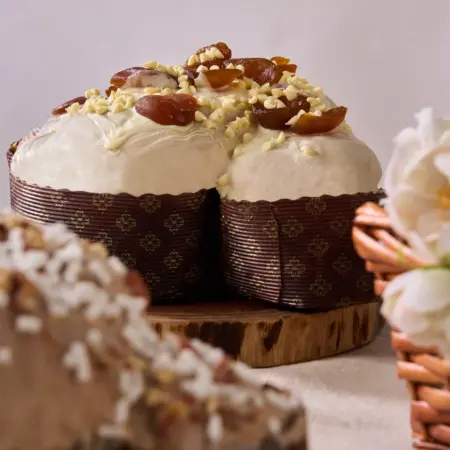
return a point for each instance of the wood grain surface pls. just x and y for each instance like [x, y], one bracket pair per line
[263, 336]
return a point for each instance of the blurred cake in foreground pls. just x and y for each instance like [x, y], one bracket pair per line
[81, 369]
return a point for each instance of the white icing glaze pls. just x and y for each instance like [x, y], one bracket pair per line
[343, 165]
[127, 152]
[150, 158]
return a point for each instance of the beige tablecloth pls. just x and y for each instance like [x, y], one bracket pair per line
[353, 401]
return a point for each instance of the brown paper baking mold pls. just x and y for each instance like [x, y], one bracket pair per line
[173, 240]
[296, 253]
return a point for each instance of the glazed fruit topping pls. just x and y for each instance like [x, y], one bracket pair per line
[110, 90]
[13, 146]
[62, 108]
[284, 64]
[288, 67]
[222, 77]
[141, 77]
[276, 118]
[224, 49]
[328, 121]
[280, 60]
[261, 70]
[211, 55]
[172, 109]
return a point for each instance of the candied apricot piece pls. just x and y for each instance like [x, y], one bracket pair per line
[280, 60]
[110, 90]
[61, 109]
[261, 70]
[172, 109]
[284, 64]
[141, 77]
[120, 78]
[221, 77]
[328, 121]
[13, 147]
[288, 67]
[224, 49]
[275, 119]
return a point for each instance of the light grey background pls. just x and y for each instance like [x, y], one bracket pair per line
[384, 59]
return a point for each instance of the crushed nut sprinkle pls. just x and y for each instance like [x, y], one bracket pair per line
[308, 150]
[6, 356]
[267, 93]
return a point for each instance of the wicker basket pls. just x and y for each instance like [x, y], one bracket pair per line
[427, 374]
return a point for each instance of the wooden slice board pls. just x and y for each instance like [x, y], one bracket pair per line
[263, 336]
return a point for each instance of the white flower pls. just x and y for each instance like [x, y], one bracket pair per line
[417, 183]
[418, 303]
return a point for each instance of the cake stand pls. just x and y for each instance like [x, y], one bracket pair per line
[264, 336]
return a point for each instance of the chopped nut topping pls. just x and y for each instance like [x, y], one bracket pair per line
[296, 117]
[199, 116]
[277, 92]
[117, 108]
[29, 324]
[203, 101]
[238, 151]
[270, 103]
[73, 109]
[229, 132]
[223, 180]
[347, 128]
[210, 124]
[281, 138]
[218, 115]
[194, 59]
[151, 65]
[308, 150]
[269, 145]
[92, 93]
[151, 90]
[99, 109]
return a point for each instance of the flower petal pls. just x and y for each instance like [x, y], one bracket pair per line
[397, 285]
[423, 175]
[406, 206]
[443, 244]
[429, 128]
[427, 290]
[422, 249]
[392, 294]
[407, 144]
[444, 326]
[429, 224]
[409, 321]
[431, 337]
[442, 161]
